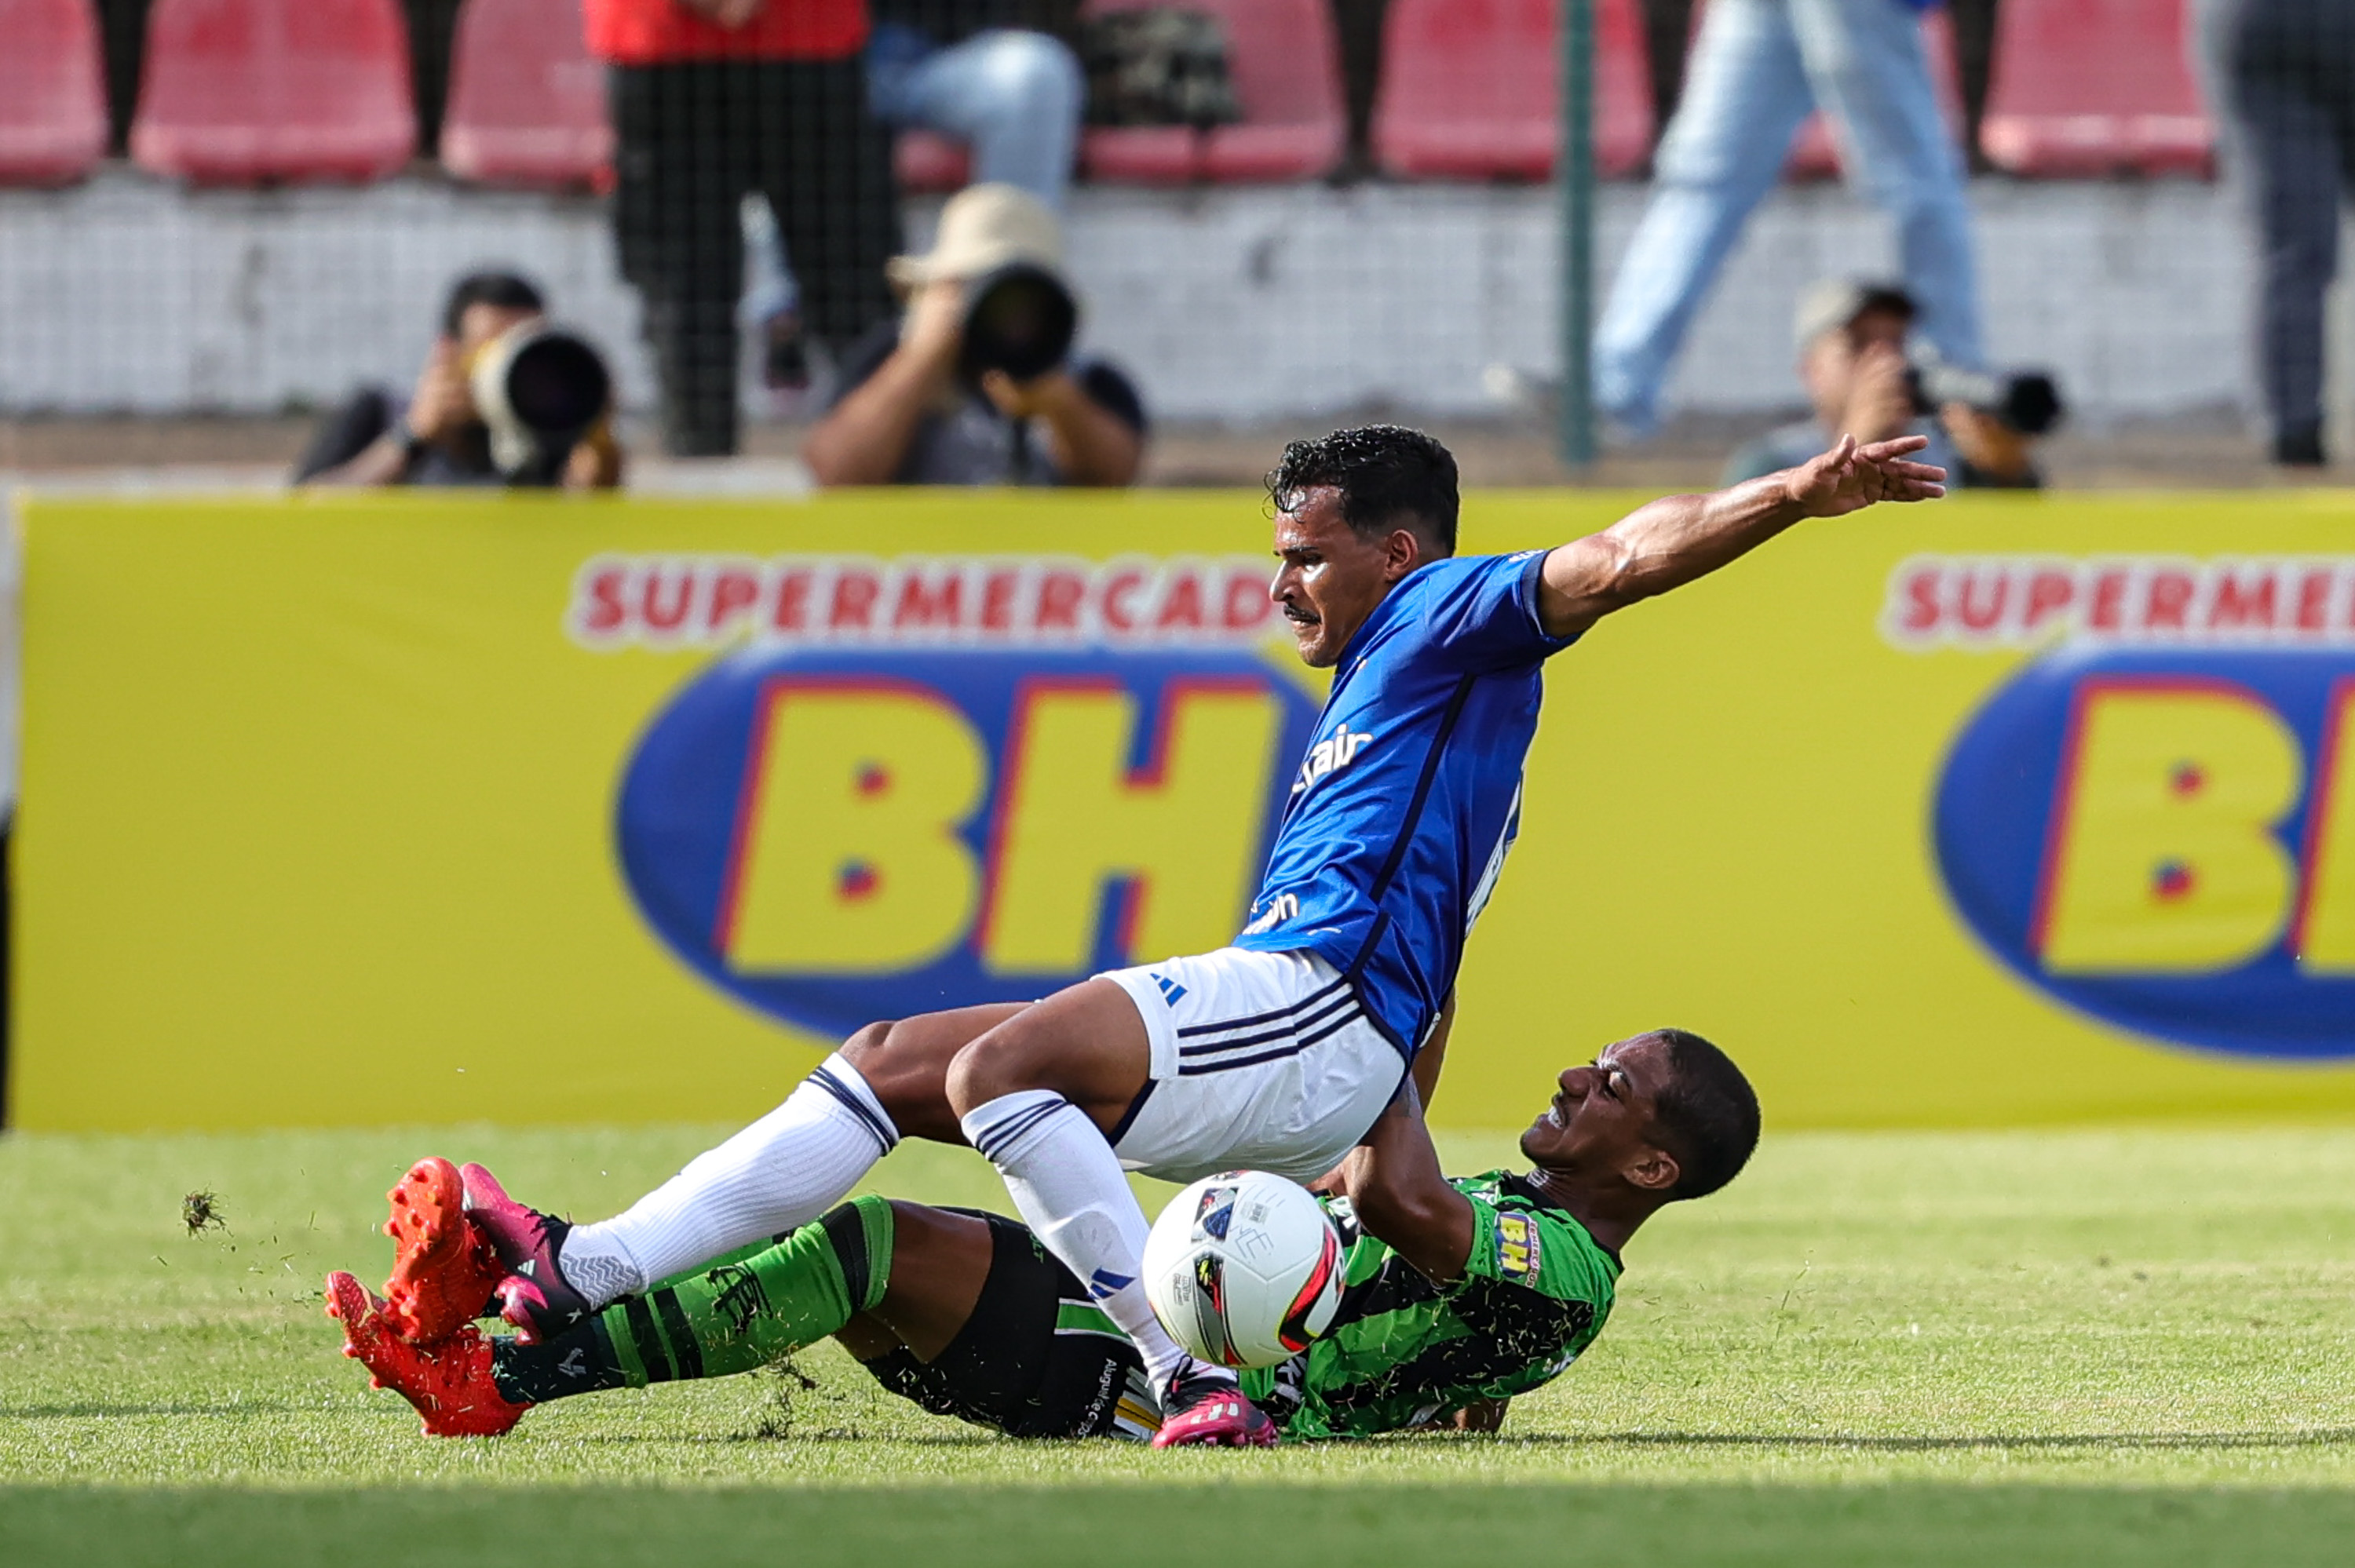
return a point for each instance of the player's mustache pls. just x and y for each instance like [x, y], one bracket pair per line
[1305, 617]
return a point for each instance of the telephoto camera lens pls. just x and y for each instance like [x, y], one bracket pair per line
[557, 385]
[1019, 319]
[2028, 401]
[540, 388]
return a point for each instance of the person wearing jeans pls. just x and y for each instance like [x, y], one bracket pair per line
[1013, 97]
[1756, 70]
[951, 67]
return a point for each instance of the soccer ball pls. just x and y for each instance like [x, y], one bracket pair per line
[1243, 1269]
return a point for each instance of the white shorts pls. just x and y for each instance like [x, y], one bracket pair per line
[1261, 1061]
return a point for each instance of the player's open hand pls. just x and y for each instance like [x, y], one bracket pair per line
[443, 401]
[1849, 477]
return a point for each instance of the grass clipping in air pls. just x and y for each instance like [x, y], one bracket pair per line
[2075, 1347]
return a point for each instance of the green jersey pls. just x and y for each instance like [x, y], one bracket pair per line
[1401, 1350]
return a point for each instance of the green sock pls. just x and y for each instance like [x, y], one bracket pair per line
[735, 1314]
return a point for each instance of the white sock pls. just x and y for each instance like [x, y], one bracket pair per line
[780, 1172]
[1068, 1184]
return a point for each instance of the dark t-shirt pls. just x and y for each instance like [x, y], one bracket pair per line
[976, 444]
[367, 414]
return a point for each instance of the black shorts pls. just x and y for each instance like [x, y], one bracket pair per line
[1018, 1365]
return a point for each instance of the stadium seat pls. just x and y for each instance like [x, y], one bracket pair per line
[927, 161]
[2094, 86]
[53, 98]
[249, 91]
[1286, 62]
[1469, 89]
[527, 100]
[1815, 155]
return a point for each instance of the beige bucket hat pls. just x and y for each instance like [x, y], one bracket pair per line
[1834, 303]
[983, 228]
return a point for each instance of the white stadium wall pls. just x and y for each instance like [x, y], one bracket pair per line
[1233, 304]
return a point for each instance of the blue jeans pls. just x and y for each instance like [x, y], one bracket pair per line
[1756, 70]
[1014, 97]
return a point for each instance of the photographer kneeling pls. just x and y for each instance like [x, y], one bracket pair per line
[1862, 381]
[976, 385]
[504, 398]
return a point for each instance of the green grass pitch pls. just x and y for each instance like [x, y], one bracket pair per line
[2125, 1347]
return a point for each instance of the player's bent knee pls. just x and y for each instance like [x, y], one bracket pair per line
[904, 1080]
[999, 1063]
[867, 1042]
[1007, 1060]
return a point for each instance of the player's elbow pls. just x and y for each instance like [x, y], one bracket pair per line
[1620, 578]
[1406, 1218]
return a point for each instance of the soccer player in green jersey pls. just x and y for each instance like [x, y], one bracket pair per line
[1487, 1286]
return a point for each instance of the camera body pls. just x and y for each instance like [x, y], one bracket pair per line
[538, 389]
[2028, 401]
[1019, 319]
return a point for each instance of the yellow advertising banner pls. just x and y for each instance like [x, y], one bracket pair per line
[426, 808]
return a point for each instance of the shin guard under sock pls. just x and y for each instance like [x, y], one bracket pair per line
[1069, 1188]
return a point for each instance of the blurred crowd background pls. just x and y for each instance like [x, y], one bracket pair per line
[588, 242]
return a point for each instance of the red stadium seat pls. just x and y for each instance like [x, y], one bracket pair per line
[52, 98]
[1469, 89]
[927, 161]
[527, 100]
[1815, 156]
[1286, 62]
[245, 91]
[2094, 86]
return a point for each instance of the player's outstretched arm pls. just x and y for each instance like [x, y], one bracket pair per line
[1669, 542]
[1395, 1183]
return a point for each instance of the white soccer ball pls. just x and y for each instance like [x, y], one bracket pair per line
[1243, 1269]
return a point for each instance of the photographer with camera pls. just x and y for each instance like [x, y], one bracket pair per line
[504, 398]
[1864, 379]
[976, 385]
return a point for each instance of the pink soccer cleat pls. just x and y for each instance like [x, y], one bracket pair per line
[533, 1293]
[1202, 1410]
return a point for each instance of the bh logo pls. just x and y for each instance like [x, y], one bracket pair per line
[2166, 839]
[839, 832]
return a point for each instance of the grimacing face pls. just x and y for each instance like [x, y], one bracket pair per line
[1331, 576]
[1601, 1115]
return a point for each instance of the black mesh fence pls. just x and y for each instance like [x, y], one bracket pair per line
[1271, 213]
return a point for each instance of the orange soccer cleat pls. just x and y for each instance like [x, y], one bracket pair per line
[443, 1269]
[450, 1385]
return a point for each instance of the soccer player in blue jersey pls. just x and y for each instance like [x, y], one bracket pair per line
[1278, 1052]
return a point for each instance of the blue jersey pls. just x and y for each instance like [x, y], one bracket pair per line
[1411, 793]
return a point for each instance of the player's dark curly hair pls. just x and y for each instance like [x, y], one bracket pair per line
[1388, 477]
[1706, 1117]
